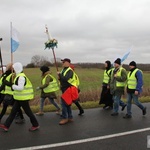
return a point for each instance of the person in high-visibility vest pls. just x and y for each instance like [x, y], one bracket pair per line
[6, 89]
[69, 91]
[22, 94]
[117, 85]
[48, 88]
[106, 96]
[81, 111]
[134, 88]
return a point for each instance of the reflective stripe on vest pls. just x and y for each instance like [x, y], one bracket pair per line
[120, 84]
[72, 80]
[8, 89]
[132, 81]
[52, 87]
[106, 76]
[26, 93]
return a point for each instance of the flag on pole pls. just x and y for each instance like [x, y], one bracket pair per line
[14, 39]
[126, 55]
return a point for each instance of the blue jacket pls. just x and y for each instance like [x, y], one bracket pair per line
[139, 77]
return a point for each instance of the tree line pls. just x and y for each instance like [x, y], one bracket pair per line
[37, 61]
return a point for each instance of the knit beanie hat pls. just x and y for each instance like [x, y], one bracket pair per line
[44, 69]
[132, 63]
[118, 61]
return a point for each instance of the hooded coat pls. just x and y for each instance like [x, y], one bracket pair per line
[18, 68]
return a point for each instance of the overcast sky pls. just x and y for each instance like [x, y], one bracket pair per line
[86, 30]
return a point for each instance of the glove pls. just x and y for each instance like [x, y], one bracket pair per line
[37, 88]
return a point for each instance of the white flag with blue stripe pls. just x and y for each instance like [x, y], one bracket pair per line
[14, 40]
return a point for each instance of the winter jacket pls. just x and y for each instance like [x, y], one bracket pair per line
[47, 82]
[114, 89]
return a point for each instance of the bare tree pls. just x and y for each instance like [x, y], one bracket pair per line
[36, 60]
[40, 61]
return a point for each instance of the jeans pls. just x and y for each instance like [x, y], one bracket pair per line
[117, 102]
[51, 101]
[66, 110]
[131, 96]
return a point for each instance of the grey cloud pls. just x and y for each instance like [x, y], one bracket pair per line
[87, 30]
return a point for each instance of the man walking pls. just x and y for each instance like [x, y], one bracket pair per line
[69, 91]
[134, 88]
[117, 84]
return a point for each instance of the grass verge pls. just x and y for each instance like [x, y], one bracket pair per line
[85, 105]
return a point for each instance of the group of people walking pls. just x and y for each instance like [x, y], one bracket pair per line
[17, 90]
[116, 81]
[20, 92]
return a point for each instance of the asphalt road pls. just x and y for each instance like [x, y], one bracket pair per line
[95, 130]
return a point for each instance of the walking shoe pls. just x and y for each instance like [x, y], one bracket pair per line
[108, 108]
[81, 112]
[104, 107]
[127, 116]
[40, 113]
[58, 112]
[63, 121]
[123, 107]
[3, 127]
[144, 111]
[114, 114]
[34, 128]
[70, 120]
[20, 121]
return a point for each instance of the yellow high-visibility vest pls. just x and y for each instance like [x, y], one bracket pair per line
[77, 79]
[52, 87]
[26, 93]
[1, 82]
[106, 76]
[132, 81]
[72, 80]
[8, 89]
[120, 84]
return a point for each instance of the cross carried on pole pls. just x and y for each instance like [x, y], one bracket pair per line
[51, 44]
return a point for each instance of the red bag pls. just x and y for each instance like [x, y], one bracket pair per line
[70, 95]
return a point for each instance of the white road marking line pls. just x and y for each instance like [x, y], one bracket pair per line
[83, 140]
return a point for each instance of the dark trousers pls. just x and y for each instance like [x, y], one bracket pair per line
[1, 98]
[105, 97]
[4, 109]
[27, 110]
[78, 105]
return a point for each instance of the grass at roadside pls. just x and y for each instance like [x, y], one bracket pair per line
[85, 105]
